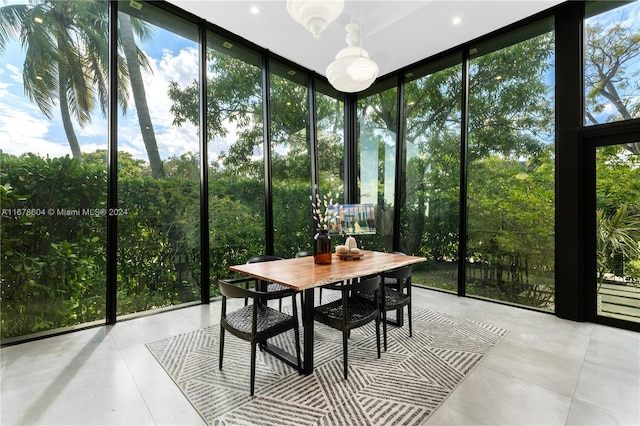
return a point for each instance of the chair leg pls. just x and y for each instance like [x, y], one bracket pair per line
[384, 328]
[221, 348]
[253, 367]
[344, 352]
[298, 359]
[378, 335]
[302, 304]
[409, 313]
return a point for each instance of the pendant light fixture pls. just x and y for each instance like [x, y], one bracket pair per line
[315, 15]
[352, 70]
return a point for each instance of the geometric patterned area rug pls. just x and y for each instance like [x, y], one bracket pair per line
[405, 386]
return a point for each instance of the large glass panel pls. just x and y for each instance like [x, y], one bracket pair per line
[330, 147]
[377, 140]
[235, 152]
[53, 99]
[158, 162]
[429, 220]
[618, 231]
[611, 61]
[510, 202]
[290, 160]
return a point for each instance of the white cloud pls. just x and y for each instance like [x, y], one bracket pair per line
[15, 74]
[182, 68]
[24, 130]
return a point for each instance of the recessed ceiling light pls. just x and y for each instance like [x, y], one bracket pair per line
[227, 44]
[456, 20]
[255, 10]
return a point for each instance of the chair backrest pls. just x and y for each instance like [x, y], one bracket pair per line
[263, 258]
[304, 253]
[366, 285]
[402, 273]
[232, 291]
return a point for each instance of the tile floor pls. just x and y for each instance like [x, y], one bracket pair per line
[546, 371]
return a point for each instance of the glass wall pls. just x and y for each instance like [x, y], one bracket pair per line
[611, 61]
[617, 193]
[330, 147]
[377, 141]
[430, 199]
[53, 166]
[54, 182]
[158, 163]
[290, 160]
[235, 135]
[510, 202]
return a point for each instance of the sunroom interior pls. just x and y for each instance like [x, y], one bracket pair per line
[508, 158]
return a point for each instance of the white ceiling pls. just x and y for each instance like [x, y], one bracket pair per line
[396, 33]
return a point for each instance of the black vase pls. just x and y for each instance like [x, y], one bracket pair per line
[322, 247]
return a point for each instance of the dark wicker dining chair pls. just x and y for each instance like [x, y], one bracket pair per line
[269, 286]
[350, 311]
[256, 322]
[393, 296]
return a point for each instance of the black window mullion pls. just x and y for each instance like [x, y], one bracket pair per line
[268, 184]
[205, 286]
[464, 162]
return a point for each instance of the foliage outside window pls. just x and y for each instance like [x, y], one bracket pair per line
[612, 62]
[235, 140]
[290, 160]
[377, 141]
[510, 203]
[52, 165]
[158, 252]
[618, 231]
[429, 218]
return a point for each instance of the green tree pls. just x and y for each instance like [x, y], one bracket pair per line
[134, 59]
[66, 57]
[612, 52]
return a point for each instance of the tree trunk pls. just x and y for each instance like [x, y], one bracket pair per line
[140, 96]
[66, 119]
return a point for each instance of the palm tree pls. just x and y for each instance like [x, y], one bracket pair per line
[133, 59]
[617, 235]
[55, 37]
[67, 54]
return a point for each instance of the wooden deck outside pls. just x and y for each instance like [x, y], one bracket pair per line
[620, 301]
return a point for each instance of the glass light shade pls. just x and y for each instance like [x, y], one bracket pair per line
[363, 68]
[352, 70]
[338, 74]
[315, 15]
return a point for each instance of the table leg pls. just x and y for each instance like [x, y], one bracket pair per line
[307, 321]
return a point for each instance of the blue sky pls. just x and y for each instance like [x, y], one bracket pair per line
[23, 127]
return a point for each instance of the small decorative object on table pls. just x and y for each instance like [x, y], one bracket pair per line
[349, 251]
[324, 213]
[322, 247]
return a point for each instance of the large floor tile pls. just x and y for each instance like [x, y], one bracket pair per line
[609, 389]
[545, 371]
[495, 398]
[583, 414]
[539, 366]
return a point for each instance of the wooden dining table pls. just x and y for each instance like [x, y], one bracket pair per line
[302, 274]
